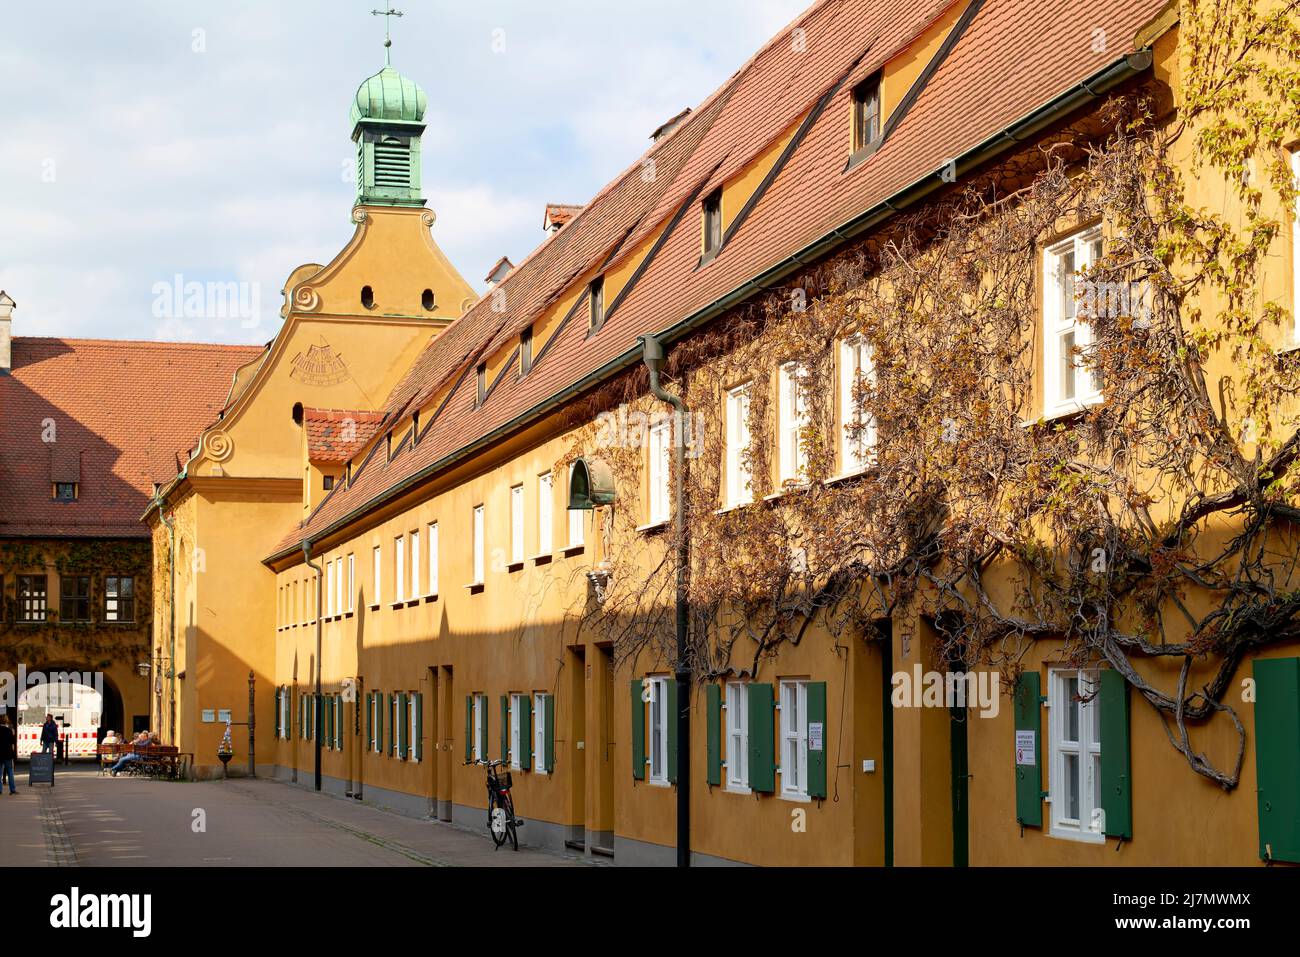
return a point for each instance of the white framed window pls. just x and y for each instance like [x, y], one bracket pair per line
[660, 442]
[791, 419]
[517, 703]
[658, 755]
[739, 478]
[339, 584]
[794, 739]
[395, 717]
[540, 703]
[433, 558]
[1067, 386]
[399, 569]
[329, 588]
[415, 563]
[477, 546]
[576, 519]
[857, 430]
[376, 721]
[378, 576]
[480, 726]
[737, 736]
[412, 723]
[285, 700]
[545, 513]
[1074, 771]
[352, 582]
[516, 524]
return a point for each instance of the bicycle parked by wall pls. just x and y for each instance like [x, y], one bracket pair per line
[502, 823]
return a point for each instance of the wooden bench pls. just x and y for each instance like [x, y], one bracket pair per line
[153, 760]
[108, 755]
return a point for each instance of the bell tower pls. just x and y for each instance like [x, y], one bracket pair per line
[387, 120]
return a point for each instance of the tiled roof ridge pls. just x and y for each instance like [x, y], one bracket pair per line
[152, 343]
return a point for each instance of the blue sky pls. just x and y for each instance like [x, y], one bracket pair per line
[145, 140]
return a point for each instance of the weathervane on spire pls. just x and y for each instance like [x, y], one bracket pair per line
[387, 14]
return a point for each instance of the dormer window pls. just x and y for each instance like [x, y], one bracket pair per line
[526, 351]
[712, 223]
[327, 482]
[596, 298]
[415, 428]
[866, 113]
[481, 395]
[65, 491]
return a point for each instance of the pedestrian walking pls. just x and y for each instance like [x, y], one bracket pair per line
[8, 752]
[49, 735]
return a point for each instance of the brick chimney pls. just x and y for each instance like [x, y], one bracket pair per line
[6, 332]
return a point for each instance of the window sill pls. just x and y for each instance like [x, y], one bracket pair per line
[515, 567]
[398, 604]
[734, 507]
[1066, 833]
[375, 607]
[789, 489]
[653, 526]
[571, 550]
[412, 602]
[429, 598]
[846, 476]
[350, 613]
[543, 559]
[665, 784]
[737, 789]
[862, 154]
[1064, 410]
[475, 588]
[796, 798]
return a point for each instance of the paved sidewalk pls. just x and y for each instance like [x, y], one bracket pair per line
[94, 820]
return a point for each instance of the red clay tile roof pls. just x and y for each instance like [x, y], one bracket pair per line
[1015, 57]
[122, 415]
[334, 435]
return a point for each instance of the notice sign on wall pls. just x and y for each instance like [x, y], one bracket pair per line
[814, 736]
[1026, 752]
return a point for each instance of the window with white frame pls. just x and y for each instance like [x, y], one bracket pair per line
[857, 430]
[352, 583]
[399, 569]
[480, 726]
[378, 559]
[739, 478]
[516, 524]
[433, 558]
[412, 723]
[376, 722]
[545, 513]
[477, 545]
[415, 563]
[1074, 774]
[329, 588]
[660, 441]
[540, 703]
[658, 729]
[286, 700]
[339, 584]
[517, 704]
[1067, 385]
[576, 519]
[737, 736]
[395, 718]
[794, 738]
[791, 419]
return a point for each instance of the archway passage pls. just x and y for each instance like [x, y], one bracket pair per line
[85, 704]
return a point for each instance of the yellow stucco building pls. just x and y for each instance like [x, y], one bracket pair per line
[382, 510]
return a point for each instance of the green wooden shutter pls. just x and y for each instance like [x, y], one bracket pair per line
[469, 728]
[329, 720]
[278, 694]
[671, 716]
[403, 727]
[505, 727]
[419, 726]
[483, 731]
[1116, 776]
[1029, 777]
[548, 738]
[385, 723]
[762, 732]
[1277, 742]
[339, 727]
[713, 732]
[526, 732]
[638, 732]
[817, 758]
[370, 720]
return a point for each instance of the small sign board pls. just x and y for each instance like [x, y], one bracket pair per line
[209, 716]
[41, 769]
[223, 714]
[814, 736]
[1026, 752]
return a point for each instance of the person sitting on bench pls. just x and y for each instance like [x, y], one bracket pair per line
[143, 739]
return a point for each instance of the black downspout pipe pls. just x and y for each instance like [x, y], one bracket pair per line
[653, 355]
[316, 708]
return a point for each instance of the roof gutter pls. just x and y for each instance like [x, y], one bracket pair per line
[1092, 88]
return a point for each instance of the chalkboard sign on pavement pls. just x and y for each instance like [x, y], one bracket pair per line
[41, 770]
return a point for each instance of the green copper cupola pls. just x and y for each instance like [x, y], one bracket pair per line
[387, 119]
